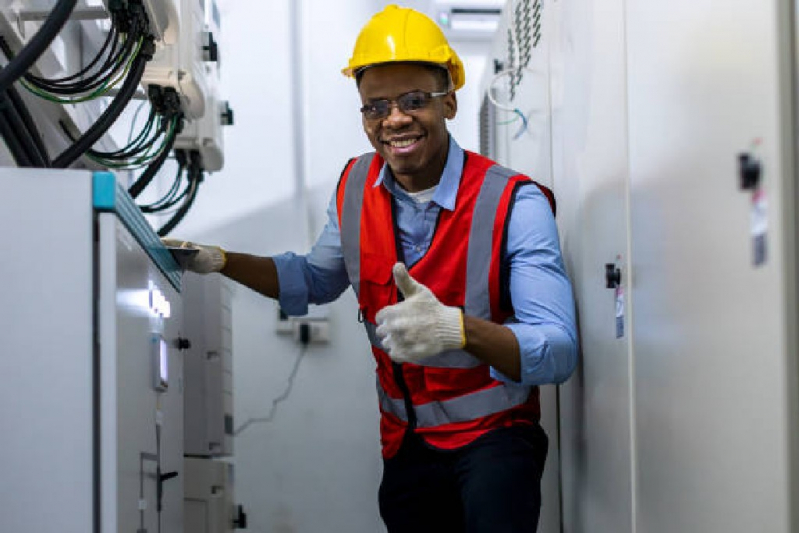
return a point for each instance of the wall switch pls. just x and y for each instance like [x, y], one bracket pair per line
[311, 331]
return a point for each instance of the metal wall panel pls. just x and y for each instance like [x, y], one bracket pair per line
[527, 150]
[46, 416]
[591, 185]
[709, 331]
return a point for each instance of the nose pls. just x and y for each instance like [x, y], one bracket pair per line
[396, 115]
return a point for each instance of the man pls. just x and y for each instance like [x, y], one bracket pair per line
[461, 287]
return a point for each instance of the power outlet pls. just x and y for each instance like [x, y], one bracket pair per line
[311, 331]
[284, 322]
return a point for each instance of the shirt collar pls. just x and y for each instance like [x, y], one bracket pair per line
[447, 189]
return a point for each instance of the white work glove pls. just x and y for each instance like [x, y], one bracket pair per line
[419, 326]
[207, 259]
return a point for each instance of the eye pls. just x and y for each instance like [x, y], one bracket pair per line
[413, 101]
[375, 109]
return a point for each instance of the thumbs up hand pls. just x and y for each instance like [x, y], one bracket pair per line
[420, 325]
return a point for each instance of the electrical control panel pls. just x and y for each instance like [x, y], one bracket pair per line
[178, 59]
[94, 440]
[205, 134]
[208, 365]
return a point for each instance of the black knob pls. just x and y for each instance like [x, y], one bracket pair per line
[182, 343]
[612, 276]
[227, 115]
[168, 475]
[240, 522]
[211, 49]
[499, 66]
[750, 171]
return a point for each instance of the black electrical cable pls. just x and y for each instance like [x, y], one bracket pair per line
[147, 176]
[11, 140]
[114, 61]
[112, 66]
[109, 116]
[20, 64]
[181, 212]
[141, 144]
[171, 197]
[138, 145]
[29, 124]
[11, 116]
[195, 177]
[111, 37]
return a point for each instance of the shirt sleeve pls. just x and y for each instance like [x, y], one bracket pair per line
[544, 317]
[318, 277]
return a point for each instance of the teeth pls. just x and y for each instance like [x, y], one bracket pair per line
[402, 144]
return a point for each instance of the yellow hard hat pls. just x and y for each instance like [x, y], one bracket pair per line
[403, 34]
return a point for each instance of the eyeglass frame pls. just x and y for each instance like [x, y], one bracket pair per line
[395, 102]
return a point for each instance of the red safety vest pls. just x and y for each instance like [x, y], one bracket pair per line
[449, 399]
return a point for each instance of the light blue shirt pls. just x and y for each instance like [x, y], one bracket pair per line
[541, 293]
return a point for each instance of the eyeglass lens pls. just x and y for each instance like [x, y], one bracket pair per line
[406, 103]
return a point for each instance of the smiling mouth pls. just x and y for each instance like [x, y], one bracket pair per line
[402, 143]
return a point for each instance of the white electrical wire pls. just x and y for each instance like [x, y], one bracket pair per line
[506, 72]
[508, 107]
[514, 51]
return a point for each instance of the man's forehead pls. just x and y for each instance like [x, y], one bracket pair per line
[404, 69]
[407, 76]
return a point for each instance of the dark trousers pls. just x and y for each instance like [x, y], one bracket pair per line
[492, 485]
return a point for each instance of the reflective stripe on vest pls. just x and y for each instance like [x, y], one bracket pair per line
[351, 217]
[462, 409]
[478, 263]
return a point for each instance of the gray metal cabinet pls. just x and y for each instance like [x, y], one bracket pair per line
[714, 335]
[92, 395]
[687, 422]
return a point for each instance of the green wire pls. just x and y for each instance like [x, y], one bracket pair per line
[100, 91]
[142, 160]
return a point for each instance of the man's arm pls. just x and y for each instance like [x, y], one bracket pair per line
[296, 280]
[257, 273]
[544, 321]
[493, 344]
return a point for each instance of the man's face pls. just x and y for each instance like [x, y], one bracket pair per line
[414, 144]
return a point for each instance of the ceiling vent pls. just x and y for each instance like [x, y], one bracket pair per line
[467, 20]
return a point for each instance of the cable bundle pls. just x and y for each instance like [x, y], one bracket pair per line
[157, 136]
[17, 128]
[121, 59]
[134, 24]
[189, 162]
[96, 79]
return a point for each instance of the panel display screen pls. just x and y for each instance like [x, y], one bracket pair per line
[160, 364]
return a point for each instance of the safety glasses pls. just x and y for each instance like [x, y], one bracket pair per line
[407, 103]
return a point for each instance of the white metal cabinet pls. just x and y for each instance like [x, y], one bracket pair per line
[711, 340]
[590, 178]
[88, 288]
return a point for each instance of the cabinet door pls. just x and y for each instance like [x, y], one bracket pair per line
[710, 329]
[591, 185]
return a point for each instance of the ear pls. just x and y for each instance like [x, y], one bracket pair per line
[450, 105]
